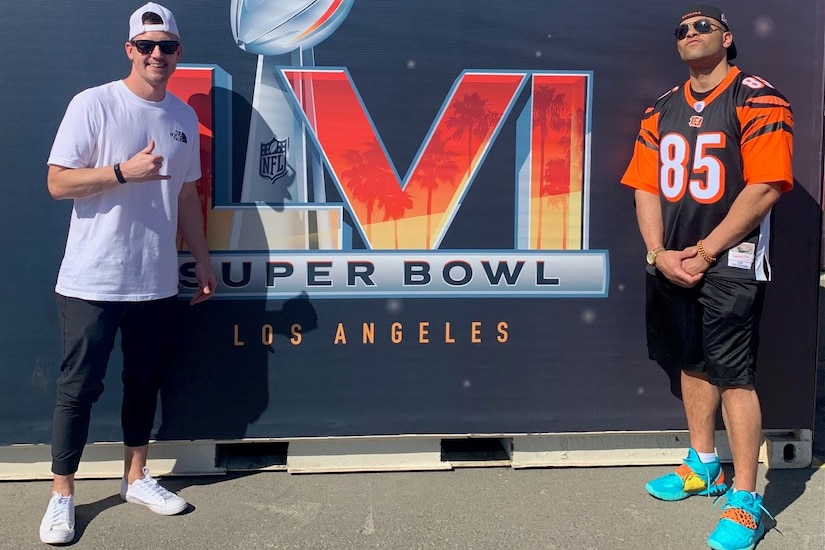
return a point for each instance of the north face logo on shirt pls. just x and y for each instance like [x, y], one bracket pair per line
[177, 135]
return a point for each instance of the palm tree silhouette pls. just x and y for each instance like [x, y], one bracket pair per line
[548, 114]
[435, 167]
[366, 178]
[556, 188]
[471, 115]
[395, 202]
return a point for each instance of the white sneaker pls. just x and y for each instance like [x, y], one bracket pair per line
[57, 526]
[149, 493]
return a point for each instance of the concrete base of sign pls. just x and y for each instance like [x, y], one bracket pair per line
[365, 455]
[649, 448]
[602, 449]
[105, 460]
[782, 449]
[789, 450]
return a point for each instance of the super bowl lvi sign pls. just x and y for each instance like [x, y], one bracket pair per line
[310, 128]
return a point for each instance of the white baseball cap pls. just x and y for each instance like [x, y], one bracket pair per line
[136, 25]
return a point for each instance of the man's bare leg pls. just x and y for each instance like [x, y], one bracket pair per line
[743, 421]
[134, 460]
[701, 400]
[63, 484]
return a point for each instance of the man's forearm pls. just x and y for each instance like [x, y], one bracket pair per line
[79, 183]
[190, 223]
[649, 217]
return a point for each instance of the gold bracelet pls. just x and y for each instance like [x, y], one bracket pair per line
[705, 256]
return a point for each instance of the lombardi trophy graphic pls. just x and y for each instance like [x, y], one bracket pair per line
[279, 163]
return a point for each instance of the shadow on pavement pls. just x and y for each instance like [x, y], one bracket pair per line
[86, 513]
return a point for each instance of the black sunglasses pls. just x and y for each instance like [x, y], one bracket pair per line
[702, 26]
[167, 47]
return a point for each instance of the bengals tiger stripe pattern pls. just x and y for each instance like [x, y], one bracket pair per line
[699, 153]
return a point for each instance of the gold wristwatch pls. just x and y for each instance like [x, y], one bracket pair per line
[651, 255]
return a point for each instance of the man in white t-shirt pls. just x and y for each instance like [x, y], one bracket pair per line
[128, 154]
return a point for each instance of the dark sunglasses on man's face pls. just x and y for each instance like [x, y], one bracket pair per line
[167, 47]
[702, 26]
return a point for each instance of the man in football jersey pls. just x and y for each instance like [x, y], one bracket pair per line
[128, 154]
[711, 159]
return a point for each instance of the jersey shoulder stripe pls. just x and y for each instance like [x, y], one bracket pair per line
[767, 101]
[755, 91]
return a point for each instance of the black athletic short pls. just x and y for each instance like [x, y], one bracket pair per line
[711, 328]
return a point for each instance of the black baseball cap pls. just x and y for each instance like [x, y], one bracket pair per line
[714, 13]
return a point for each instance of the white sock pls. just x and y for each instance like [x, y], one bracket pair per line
[707, 458]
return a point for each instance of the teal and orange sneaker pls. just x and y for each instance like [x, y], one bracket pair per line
[741, 525]
[693, 477]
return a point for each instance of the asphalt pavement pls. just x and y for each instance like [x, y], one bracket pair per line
[468, 508]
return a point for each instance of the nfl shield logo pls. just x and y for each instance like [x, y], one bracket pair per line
[273, 158]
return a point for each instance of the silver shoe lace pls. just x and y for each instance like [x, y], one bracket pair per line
[60, 511]
[152, 487]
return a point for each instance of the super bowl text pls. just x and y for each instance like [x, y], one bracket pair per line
[411, 274]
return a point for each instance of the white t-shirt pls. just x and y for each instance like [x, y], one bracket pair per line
[121, 244]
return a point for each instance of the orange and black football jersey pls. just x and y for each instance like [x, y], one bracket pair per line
[699, 154]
